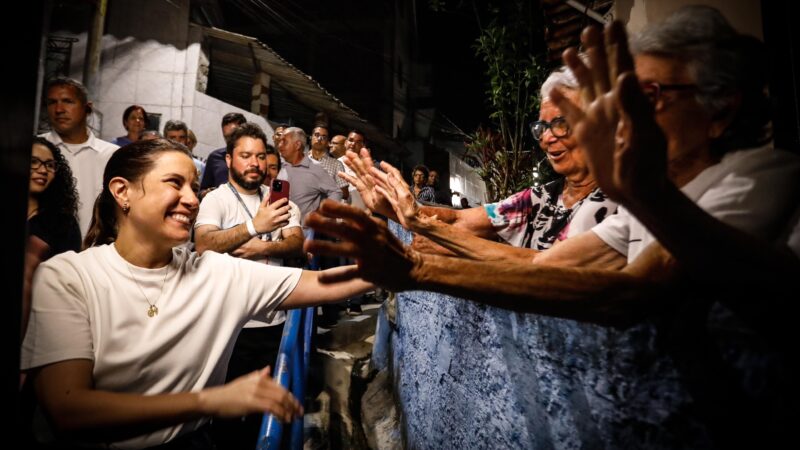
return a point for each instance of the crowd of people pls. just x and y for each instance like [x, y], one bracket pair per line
[171, 314]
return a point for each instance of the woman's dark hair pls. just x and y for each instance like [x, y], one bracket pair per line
[422, 168]
[60, 197]
[131, 162]
[129, 110]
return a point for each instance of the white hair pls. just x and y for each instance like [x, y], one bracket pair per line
[561, 78]
[299, 134]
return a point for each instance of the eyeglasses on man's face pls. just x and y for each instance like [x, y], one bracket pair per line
[558, 126]
[321, 137]
[50, 165]
[654, 90]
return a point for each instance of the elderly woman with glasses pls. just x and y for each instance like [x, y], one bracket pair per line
[535, 218]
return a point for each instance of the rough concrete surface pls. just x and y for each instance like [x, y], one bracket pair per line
[472, 376]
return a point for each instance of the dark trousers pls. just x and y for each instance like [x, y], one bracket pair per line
[255, 348]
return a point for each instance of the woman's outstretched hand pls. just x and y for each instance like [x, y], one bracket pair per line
[255, 392]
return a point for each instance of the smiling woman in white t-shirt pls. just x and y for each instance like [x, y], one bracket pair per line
[129, 340]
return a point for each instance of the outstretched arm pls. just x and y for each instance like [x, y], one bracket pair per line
[466, 245]
[343, 283]
[66, 391]
[598, 295]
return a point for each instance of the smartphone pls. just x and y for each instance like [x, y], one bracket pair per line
[279, 190]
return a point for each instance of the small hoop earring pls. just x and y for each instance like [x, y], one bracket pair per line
[126, 208]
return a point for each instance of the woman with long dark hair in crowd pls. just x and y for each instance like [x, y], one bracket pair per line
[52, 206]
[129, 340]
[52, 229]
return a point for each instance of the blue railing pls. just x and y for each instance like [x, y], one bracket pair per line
[291, 369]
[290, 372]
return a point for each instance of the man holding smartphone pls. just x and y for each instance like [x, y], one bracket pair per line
[244, 218]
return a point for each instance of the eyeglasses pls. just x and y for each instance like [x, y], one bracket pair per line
[558, 126]
[49, 165]
[653, 90]
[321, 137]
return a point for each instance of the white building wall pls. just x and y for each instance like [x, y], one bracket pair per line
[206, 122]
[150, 58]
[464, 180]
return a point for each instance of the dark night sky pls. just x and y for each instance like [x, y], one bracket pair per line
[445, 41]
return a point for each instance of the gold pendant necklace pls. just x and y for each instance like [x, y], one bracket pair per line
[152, 310]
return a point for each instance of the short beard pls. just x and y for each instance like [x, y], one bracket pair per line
[238, 177]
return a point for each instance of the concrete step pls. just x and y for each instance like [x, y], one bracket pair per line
[335, 422]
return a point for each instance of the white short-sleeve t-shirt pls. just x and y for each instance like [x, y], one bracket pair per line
[93, 305]
[223, 210]
[753, 190]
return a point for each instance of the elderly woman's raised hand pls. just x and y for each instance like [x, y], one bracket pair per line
[398, 193]
[365, 183]
[626, 149]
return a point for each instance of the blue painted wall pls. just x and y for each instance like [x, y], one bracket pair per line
[472, 376]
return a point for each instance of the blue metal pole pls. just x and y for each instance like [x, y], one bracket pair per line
[308, 332]
[271, 431]
[300, 373]
[298, 390]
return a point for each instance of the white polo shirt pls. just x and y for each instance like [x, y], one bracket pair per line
[87, 162]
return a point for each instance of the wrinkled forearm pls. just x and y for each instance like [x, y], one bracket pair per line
[600, 296]
[471, 220]
[465, 244]
[446, 215]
